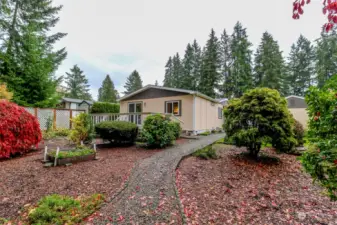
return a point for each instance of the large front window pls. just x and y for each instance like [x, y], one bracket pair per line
[173, 107]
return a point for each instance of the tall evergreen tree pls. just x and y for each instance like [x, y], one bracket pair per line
[241, 71]
[187, 78]
[107, 93]
[269, 70]
[196, 65]
[133, 82]
[227, 87]
[177, 71]
[301, 66]
[20, 19]
[210, 67]
[77, 84]
[326, 57]
[168, 73]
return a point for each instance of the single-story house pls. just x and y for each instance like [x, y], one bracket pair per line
[72, 103]
[298, 107]
[197, 112]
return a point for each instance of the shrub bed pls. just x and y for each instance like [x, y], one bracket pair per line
[105, 107]
[19, 130]
[58, 209]
[176, 128]
[117, 131]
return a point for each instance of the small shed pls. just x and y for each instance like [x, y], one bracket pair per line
[298, 107]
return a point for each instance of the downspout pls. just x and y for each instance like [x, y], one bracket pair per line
[194, 131]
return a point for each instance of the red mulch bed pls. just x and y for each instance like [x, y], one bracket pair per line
[24, 180]
[237, 190]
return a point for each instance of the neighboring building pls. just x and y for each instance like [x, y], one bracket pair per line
[298, 107]
[72, 103]
[197, 112]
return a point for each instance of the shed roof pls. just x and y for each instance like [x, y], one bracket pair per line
[196, 93]
[74, 100]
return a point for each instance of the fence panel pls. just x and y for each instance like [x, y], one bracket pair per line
[57, 118]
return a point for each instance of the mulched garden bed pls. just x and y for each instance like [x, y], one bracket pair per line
[237, 190]
[24, 180]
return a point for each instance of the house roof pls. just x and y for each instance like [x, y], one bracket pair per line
[295, 96]
[196, 93]
[74, 100]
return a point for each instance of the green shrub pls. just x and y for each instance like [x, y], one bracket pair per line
[299, 132]
[59, 210]
[321, 158]
[175, 126]
[82, 129]
[206, 133]
[206, 153]
[72, 153]
[158, 131]
[105, 107]
[117, 131]
[260, 115]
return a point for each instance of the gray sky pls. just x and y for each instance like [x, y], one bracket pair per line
[118, 36]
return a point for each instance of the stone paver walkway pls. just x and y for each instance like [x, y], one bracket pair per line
[150, 196]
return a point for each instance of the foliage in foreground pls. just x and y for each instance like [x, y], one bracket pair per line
[260, 115]
[72, 153]
[19, 130]
[58, 209]
[82, 129]
[117, 131]
[105, 107]
[158, 131]
[321, 158]
[206, 153]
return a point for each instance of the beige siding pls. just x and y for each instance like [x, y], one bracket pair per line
[206, 115]
[301, 115]
[157, 105]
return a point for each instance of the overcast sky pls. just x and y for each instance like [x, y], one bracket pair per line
[118, 36]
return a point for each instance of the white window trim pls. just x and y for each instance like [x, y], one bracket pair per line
[171, 102]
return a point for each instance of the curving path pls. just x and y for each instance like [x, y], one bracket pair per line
[150, 195]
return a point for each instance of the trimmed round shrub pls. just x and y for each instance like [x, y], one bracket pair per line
[19, 130]
[299, 132]
[261, 115]
[158, 131]
[117, 131]
[105, 107]
[176, 128]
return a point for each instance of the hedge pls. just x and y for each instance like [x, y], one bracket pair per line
[117, 131]
[105, 107]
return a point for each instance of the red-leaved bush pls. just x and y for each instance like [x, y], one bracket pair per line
[19, 130]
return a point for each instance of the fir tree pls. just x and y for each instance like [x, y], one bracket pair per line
[77, 84]
[133, 82]
[241, 71]
[196, 67]
[24, 33]
[326, 57]
[168, 73]
[301, 66]
[187, 79]
[177, 71]
[269, 70]
[227, 87]
[107, 92]
[210, 66]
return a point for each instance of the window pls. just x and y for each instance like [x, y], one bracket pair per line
[173, 107]
[219, 112]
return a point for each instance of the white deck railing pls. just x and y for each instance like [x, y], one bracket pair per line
[137, 118]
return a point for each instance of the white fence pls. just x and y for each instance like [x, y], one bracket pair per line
[57, 118]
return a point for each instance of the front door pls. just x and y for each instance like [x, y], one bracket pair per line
[135, 108]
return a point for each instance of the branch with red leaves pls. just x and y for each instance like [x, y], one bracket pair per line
[329, 9]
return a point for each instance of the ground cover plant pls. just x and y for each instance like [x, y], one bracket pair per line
[59, 210]
[19, 130]
[260, 116]
[117, 131]
[206, 153]
[53, 133]
[72, 153]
